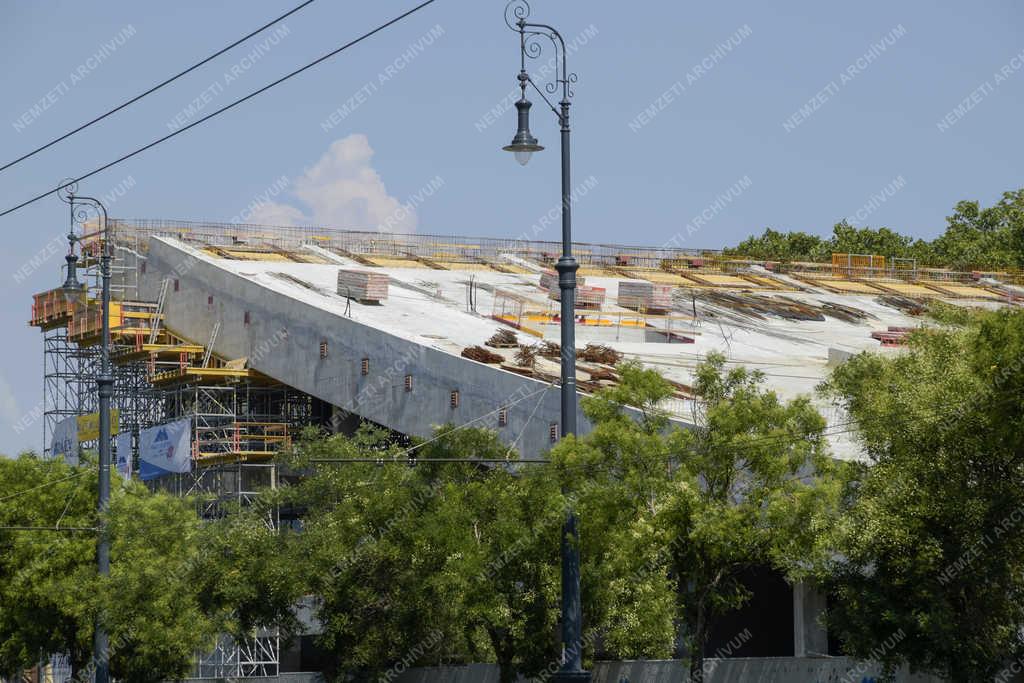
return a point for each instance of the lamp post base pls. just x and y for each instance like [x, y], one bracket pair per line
[571, 677]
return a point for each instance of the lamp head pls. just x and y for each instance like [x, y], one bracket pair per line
[72, 289]
[523, 145]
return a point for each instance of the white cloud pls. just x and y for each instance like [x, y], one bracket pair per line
[342, 190]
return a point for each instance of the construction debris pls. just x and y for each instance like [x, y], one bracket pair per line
[503, 339]
[902, 303]
[598, 353]
[363, 285]
[846, 313]
[479, 353]
[526, 356]
[760, 307]
[598, 373]
[550, 349]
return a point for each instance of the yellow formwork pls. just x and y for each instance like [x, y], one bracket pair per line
[767, 282]
[845, 286]
[661, 277]
[469, 267]
[964, 291]
[394, 262]
[906, 288]
[718, 280]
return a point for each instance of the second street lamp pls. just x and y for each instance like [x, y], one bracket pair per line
[523, 145]
[80, 207]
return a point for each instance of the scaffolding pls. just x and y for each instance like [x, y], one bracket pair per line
[68, 374]
[240, 419]
[255, 657]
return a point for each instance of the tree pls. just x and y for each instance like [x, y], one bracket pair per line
[930, 546]
[151, 602]
[432, 560]
[51, 594]
[747, 486]
[47, 579]
[989, 238]
[498, 530]
[363, 553]
[782, 246]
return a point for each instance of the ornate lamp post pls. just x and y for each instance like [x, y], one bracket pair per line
[523, 145]
[80, 207]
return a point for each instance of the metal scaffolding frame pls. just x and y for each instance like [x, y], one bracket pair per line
[239, 420]
[255, 657]
[69, 380]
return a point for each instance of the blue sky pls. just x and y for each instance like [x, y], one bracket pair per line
[792, 118]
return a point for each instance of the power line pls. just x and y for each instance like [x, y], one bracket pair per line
[222, 109]
[418, 461]
[156, 87]
[44, 485]
[49, 528]
[395, 457]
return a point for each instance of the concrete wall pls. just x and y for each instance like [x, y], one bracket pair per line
[740, 670]
[283, 341]
[810, 638]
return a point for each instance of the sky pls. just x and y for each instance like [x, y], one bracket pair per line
[693, 124]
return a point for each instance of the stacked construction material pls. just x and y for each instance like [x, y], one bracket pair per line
[503, 339]
[893, 336]
[363, 285]
[482, 355]
[588, 297]
[641, 294]
[599, 353]
[549, 282]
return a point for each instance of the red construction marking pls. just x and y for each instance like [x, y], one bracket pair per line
[890, 337]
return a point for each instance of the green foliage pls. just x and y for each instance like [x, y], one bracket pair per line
[930, 544]
[673, 517]
[443, 560]
[152, 609]
[47, 579]
[975, 238]
[782, 246]
[50, 593]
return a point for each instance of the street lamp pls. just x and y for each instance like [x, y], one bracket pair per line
[523, 145]
[80, 207]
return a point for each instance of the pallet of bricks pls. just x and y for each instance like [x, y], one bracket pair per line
[586, 296]
[644, 295]
[365, 286]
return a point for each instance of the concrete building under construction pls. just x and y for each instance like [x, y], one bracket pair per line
[252, 332]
